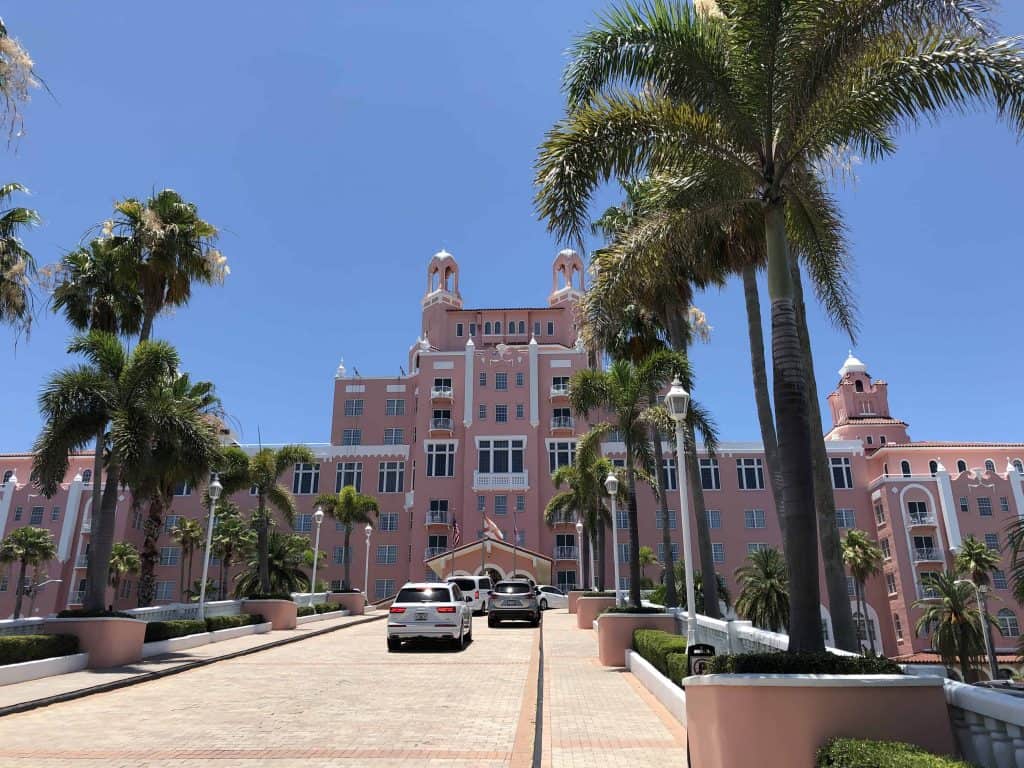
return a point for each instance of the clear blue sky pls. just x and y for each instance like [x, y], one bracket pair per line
[339, 144]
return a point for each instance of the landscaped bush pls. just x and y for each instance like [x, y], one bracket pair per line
[165, 630]
[81, 613]
[328, 607]
[14, 649]
[803, 664]
[655, 645]
[268, 596]
[606, 593]
[857, 753]
[345, 591]
[676, 663]
[305, 610]
[634, 609]
[213, 623]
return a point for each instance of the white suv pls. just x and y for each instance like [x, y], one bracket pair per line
[476, 587]
[430, 611]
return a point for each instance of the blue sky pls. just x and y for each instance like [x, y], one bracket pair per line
[339, 145]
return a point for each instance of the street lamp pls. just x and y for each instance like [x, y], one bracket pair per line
[677, 401]
[611, 484]
[318, 518]
[980, 591]
[366, 573]
[579, 549]
[214, 491]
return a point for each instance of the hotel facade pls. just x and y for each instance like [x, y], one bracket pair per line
[469, 438]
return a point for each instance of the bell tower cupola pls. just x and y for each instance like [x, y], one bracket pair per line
[566, 278]
[443, 281]
[860, 408]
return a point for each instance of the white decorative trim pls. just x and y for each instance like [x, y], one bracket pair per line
[440, 441]
[671, 696]
[67, 528]
[534, 386]
[331, 452]
[33, 670]
[561, 363]
[467, 395]
[949, 510]
[443, 365]
[396, 388]
[478, 438]
[6, 498]
[814, 681]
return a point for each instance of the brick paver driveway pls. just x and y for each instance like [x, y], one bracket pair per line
[339, 700]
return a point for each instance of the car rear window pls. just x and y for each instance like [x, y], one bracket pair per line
[464, 584]
[485, 583]
[512, 589]
[424, 595]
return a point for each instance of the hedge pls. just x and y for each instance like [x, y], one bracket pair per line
[598, 594]
[305, 610]
[328, 607]
[268, 596]
[15, 649]
[858, 753]
[165, 630]
[81, 613]
[676, 663]
[655, 645]
[633, 609]
[803, 664]
[213, 623]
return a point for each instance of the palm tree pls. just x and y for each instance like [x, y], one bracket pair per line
[17, 267]
[232, 538]
[755, 99]
[189, 535]
[764, 590]
[350, 508]
[977, 561]
[26, 546]
[124, 560]
[259, 473]
[953, 621]
[700, 603]
[623, 392]
[115, 388]
[17, 79]
[285, 561]
[647, 557]
[864, 559]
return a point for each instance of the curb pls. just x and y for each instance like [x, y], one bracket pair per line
[538, 730]
[145, 677]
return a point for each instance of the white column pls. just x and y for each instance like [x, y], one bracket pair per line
[949, 508]
[534, 388]
[8, 489]
[467, 396]
[1016, 483]
[67, 528]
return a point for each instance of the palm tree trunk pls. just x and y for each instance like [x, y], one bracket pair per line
[20, 591]
[709, 578]
[97, 473]
[263, 545]
[671, 600]
[101, 541]
[601, 558]
[828, 533]
[223, 575]
[795, 458]
[987, 632]
[965, 657]
[346, 582]
[634, 532]
[191, 556]
[182, 568]
[150, 553]
[147, 325]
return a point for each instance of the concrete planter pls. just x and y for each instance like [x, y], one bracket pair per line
[672, 697]
[281, 613]
[321, 616]
[574, 595]
[354, 602]
[780, 721]
[183, 643]
[33, 670]
[615, 633]
[588, 609]
[110, 641]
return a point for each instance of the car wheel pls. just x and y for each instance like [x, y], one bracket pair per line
[394, 644]
[469, 635]
[543, 605]
[460, 642]
[491, 620]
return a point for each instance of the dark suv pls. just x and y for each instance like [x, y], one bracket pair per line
[513, 599]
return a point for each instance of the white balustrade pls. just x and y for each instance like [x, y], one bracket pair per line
[988, 725]
[309, 598]
[31, 626]
[500, 480]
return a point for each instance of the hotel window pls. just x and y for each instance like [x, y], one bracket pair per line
[933, 467]
[497, 327]
[522, 328]
[387, 554]
[36, 516]
[501, 381]
[1019, 466]
[458, 329]
[169, 555]
[394, 436]
[500, 414]
[383, 588]
[551, 328]
[171, 522]
[710, 479]
[10, 473]
[440, 459]
[536, 328]
[990, 466]
[164, 590]
[869, 440]
[501, 504]
[669, 477]
[756, 546]
[661, 552]
[898, 627]
[561, 453]
[718, 552]
[18, 512]
[339, 555]
[658, 517]
[520, 538]
[438, 511]
[353, 407]
[992, 541]
[623, 552]
[3, 579]
[750, 473]
[481, 503]
[520, 503]
[890, 583]
[394, 407]
[842, 474]
[352, 437]
[851, 586]
[55, 514]
[500, 456]
[879, 513]
[885, 547]
[306, 478]
[999, 579]
[444, 385]
[483, 378]
[1008, 623]
[520, 411]
[349, 473]
[86, 476]
[846, 518]
[961, 465]
[487, 328]
[985, 506]
[520, 379]
[918, 511]
[753, 518]
[1004, 504]
[905, 468]
[391, 477]
[472, 329]
[303, 524]
[481, 412]
[622, 519]
[183, 489]
[964, 506]
[881, 439]
[560, 384]
[714, 518]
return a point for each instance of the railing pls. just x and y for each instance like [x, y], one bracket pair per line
[87, 525]
[309, 598]
[729, 636]
[430, 552]
[927, 554]
[927, 592]
[76, 597]
[500, 480]
[561, 422]
[563, 520]
[441, 424]
[82, 561]
[918, 520]
[177, 611]
[559, 390]
[441, 393]
[437, 518]
[32, 626]
[565, 553]
[988, 725]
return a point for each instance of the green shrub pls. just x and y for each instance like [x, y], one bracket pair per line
[81, 613]
[165, 630]
[803, 664]
[306, 610]
[213, 623]
[328, 607]
[268, 596]
[345, 591]
[658, 595]
[15, 649]
[676, 664]
[858, 753]
[634, 609]
[646, 582]
[606, 593]
[655, 645]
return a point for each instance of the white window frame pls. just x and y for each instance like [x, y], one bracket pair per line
[753, 519]
[352, 436]
[718, 552]
[846, 515]
[714, 518]
[354, 406]
[391, 470]
[556, 449]
[303, 472]
[714, 475]
[394, 406]
[346, 468]
[170, 555]
[754, 465]
[394, 436]
[842, 472]
[440, 456]
[387, 554]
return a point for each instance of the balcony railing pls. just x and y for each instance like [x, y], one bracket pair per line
[927, 555]
[441, 424]
[559, 390]
[563, 520]
[77, 597]
[437, 518]
[920, 520]
[430, 552]
[87, 525]
[561, 422]
[565, 553]
[82, 561]
[501, 480]
[441, 393]
[927, 592]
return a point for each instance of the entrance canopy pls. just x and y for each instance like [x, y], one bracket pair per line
[495, 557]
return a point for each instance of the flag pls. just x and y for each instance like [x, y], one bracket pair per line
[456, 532]
[491, 529]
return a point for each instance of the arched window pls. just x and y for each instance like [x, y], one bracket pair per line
[1018, 465]
[859, 385]
[905, 468]
[8, 475]
[497, 328]
[933, 467]
[990, 466]
[522, 328]
[487, 328]
[1008, 624]
[881, 439]
[1006, 674]
[87, 476]
[869, 439]
[858, 619]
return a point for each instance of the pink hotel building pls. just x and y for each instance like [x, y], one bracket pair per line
[474, 431]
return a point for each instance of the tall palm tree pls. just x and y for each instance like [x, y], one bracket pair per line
[764, 590]
[26, 546]
[260, 473]
[232, 538]
[623, 392]
[189, 535]
[350, 508]
[699, 596]
[124, 560]
[117, 390]
[647, 558]
[864, 559]
[17, 79]
[953, 621]
[756, 95]
[17, 267]
[977, 561]
[285, 563]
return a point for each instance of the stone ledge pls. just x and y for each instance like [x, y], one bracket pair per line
[33, 670]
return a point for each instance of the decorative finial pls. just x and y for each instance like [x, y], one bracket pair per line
[340, 373]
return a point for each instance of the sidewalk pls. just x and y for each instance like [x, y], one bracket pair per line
[596, 715]
[61, 685]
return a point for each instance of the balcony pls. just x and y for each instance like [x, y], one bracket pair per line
[928, 555]
[559, 390]
[927, 592]
[82, 561]
[437, 518]
[87, 525]
[565, 553]
[500, 480]
[441, 393]
[76, 598]
[441, 425]
[430, 552]
[920, 521]
[559, 423]
[563, 520]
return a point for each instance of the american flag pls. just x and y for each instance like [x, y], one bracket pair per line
[456, 533]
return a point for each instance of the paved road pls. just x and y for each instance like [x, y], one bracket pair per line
[339, 700]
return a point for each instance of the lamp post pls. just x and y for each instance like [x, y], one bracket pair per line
[579, 550]
[980, 590]
[366, 573]
[318, 518]
[611, 484]
[677, 401]
[214, 491]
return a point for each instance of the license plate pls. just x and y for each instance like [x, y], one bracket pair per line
[511, 603]
[421, 616]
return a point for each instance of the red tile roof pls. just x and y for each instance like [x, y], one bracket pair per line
[925, 657]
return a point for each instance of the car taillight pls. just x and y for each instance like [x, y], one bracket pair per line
[446, 609]
[476, 595]
[397, 610]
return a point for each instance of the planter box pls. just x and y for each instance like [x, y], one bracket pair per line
[588, 608]
[672, 697]
[615, 633]
[784, 719]
[33, 670]
[183, 643]
[321, 616]
[281, 613]
[574, 595]
[354, 602]
[109, 641]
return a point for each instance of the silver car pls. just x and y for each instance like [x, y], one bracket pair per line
[513, 599]
[430, 611]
